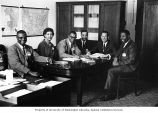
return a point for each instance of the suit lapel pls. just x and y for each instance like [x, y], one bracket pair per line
[20, 50]
[68, 46]
[128, 44]
[21, 53]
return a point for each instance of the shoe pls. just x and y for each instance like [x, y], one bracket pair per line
[107, 97]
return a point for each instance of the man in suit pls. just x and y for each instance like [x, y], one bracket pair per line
[83, 42]
[21, 56]
[104, 46]
[67, 48]
[124, 61]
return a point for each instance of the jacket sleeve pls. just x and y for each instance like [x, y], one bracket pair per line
[61, 50]
[77, 50]
[95, 49]
[37, 57]
[41, 49]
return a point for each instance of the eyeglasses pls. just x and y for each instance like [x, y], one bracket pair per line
[73, 36]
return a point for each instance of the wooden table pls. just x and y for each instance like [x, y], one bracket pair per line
[77, 70]
[51, 95]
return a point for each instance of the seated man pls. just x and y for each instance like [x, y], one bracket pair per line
[83, 42]
[21, 56]
[104, 46]
[124, 61]
[67, 47]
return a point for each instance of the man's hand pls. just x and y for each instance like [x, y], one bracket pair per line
[115, 62]
[109, 56]
[49, 60]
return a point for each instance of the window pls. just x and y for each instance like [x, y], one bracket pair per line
[86, 17]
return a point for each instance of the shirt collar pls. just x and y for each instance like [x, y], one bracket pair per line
[20, 46]
[105, 43]
[126, 44]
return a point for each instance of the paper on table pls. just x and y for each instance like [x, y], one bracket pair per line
[49, 83]
[18, 93]
[88, 60]
[71, 59]
[2, 88]
[97, 55]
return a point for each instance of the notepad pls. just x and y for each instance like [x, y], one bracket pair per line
[18, 93]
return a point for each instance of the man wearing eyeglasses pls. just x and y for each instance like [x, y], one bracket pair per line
[21, 56]
[67, 48]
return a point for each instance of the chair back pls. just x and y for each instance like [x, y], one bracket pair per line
[3, 52]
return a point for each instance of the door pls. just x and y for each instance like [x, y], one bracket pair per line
[150, 37]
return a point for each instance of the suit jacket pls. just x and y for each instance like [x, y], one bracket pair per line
[99, 48]
[19, 61]
[127, 56]
[47, 50]
[86, 46]
[64, 49]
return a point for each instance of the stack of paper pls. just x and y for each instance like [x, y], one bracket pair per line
[89, 61]
[71, 59]
[99, 55]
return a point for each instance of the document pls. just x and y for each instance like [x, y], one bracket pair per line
[71, 59]
[89, 61]
[99, 55]
[2, 88]
[18, 93]
[49, 83]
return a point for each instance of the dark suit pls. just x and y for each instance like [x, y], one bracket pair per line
[64, 49]
[99, 48]
[21, 62]
[84, 47]
[127, 63]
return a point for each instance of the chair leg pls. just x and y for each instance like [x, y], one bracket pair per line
[118, 86]
[136, 88]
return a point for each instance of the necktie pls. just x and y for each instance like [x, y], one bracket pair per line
[23, 47]
[83, 42]
[103, 47]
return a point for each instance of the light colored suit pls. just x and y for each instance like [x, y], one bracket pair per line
[64, 49]
[20, 62]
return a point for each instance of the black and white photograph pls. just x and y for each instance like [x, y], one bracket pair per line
[79, 56]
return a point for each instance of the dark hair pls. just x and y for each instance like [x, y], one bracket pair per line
[106, 33]
[74, 32]
[84, 31]
[47, 30]
[21, 31]
[126, 32]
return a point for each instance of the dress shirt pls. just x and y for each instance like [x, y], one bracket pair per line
[83, 43]
[104, 45]
[126, 44]
[22, 48]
